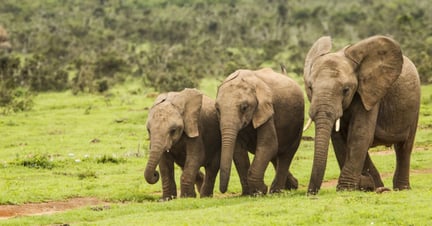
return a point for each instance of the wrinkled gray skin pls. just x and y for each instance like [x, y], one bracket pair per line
[4, 41]
[183, 128]
[262, 112]
[375, 92]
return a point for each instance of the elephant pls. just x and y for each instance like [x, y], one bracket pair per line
[364, 95]
[261, 112]
[183, 128]
[4, 40]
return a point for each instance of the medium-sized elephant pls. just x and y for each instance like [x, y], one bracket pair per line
[262, 112]
[366, 94]
[183, 128]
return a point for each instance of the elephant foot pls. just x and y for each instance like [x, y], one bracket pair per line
[167, 198]
[401, 187]
[347, 187]
[291, 183]
[188, 195]
[275, 190]
[366, 183]
[257, 194]
[258, 190]
[380, 190]
[206, 192]
[186, 192]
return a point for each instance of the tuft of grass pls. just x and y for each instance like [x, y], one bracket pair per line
[110, 159]
[87, 174]
[37, 161]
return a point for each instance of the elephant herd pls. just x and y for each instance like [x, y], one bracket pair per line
[364, 95]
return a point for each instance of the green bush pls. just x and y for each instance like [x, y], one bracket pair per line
[88, 46]
[14, 96]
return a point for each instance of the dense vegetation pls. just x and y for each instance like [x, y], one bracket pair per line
[87, 46]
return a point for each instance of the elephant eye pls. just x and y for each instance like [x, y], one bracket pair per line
[244, 107]
[173, 131]
[345, 91]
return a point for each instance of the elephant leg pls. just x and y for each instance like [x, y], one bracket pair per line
[166, 167]
[210, 178]
[366, 183]
[403, 158]
[242, 164]
[369, 169]
[283, 178]
[274, 162]
[340, 147]
[194, 158]
[280, 178]
[360, 136]
[266, 149]
[199, 180]
[291, 182]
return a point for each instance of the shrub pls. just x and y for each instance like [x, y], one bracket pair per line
[14, 96]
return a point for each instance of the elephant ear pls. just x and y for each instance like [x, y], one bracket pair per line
[379, 63]
[160, 98]
[264, 110]
[321, 47]
[189, 102]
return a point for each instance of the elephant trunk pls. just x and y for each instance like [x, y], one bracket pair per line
[150, 173]
[229, 137]
[323, 128]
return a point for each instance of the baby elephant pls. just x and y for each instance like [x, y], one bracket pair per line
[183, 128]
[262, 112]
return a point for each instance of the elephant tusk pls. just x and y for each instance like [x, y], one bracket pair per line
[167, 150]
[337, 125]
[308, 124]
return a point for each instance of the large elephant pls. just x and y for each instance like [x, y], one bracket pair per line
[262, 112]
[370, 94]
[183, 128]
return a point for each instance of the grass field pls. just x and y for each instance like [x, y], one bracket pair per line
[96, 146]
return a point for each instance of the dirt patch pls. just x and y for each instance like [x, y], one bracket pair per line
[31, 209]
[390, 150]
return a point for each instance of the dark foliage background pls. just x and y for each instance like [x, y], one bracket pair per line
[87, 46]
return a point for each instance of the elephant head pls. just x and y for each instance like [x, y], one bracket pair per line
[241, 99]
[365, 70]
[172, 115]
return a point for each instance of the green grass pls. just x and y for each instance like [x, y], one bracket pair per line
[96, 146]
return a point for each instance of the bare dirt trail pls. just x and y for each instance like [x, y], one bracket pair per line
[31, 209]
